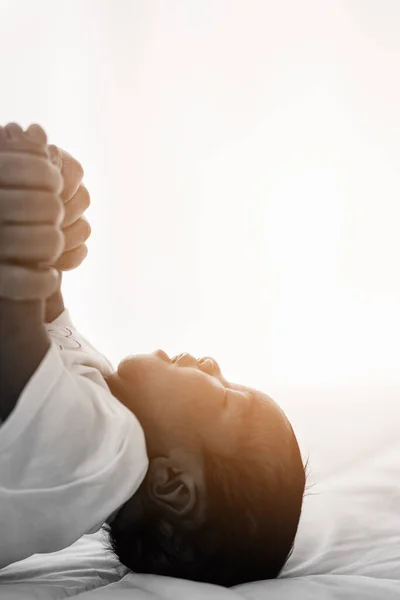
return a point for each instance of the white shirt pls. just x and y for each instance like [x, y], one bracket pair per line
[70, 453]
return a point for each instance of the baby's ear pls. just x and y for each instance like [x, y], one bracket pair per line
[172, 488]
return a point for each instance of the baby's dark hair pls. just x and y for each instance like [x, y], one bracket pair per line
[253, 508]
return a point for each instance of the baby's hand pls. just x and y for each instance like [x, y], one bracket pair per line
[76, 201]
[31, 213]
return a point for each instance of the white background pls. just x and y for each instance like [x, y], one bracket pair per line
[243, 162]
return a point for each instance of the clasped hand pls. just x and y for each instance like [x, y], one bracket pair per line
[42, 200]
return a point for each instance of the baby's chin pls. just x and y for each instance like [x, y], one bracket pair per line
[118, 388]
[127, 393]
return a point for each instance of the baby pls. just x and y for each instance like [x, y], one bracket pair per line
[193, 476]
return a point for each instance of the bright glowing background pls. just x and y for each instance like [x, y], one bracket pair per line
[244, 166]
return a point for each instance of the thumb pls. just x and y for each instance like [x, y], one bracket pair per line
[56, 156]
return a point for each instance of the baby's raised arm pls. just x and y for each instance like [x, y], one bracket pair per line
[31, 213]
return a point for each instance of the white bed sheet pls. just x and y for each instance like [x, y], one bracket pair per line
[348, 545]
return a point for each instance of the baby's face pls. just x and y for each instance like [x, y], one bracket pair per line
[187, 403]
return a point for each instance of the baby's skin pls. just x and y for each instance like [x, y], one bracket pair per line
[31, 213]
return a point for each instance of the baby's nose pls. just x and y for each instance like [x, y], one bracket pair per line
[209, 365]
[163, 355]
[186, 360]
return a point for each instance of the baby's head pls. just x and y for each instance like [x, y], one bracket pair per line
[222, 496]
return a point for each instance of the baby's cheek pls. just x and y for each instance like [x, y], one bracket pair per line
[139, 365]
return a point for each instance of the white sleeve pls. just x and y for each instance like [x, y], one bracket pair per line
[70, 453]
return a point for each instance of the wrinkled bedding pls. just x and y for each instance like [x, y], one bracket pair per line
[348, 543]
[83, 570]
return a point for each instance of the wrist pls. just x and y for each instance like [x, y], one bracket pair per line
[23, 344]
[54, 307]
[16, 316]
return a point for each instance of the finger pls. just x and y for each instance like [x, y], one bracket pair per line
[37, 134]
[30, 206]
[19, 282]
[71, 171]
[14, 139]
[13, 130]
[55, 156]
[72, 259]
[76, 234]
[31, 243]
[28, 171]
[75, 208]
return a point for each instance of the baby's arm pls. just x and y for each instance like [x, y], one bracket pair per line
[54, 306]
[30, 217]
